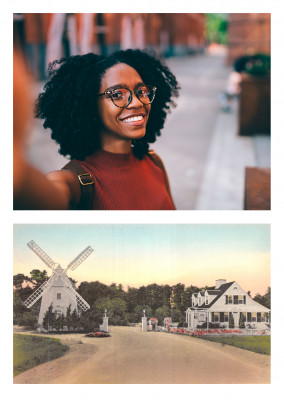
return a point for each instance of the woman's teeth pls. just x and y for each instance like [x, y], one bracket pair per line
[132, 119]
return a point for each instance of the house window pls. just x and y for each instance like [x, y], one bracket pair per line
[248, 317]
[236, 299]
[58, 296]
[258, 317]
[253, 317]
[195, 315]
[226, 317]
[202, 317]
[216, 317]
[241, 299]
[230, 299]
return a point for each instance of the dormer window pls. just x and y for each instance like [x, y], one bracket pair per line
[206, 300]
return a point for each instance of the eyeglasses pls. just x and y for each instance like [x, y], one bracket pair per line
[122, 97]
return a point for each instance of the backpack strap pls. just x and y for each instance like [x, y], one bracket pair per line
[156, 159]
[86, 183]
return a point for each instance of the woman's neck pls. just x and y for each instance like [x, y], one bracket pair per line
[116, 146]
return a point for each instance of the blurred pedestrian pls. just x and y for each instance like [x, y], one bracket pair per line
[62, 37]
[104, 112]
[35, 27]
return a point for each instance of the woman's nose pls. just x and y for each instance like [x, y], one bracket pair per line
[135, 102]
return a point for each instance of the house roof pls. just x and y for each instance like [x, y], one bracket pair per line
[220, 291]
[216, 291]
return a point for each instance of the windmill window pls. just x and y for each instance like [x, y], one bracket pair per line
[58, 296]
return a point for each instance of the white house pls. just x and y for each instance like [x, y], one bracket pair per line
[223, 302]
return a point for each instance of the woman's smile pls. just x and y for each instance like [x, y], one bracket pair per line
[135, 119]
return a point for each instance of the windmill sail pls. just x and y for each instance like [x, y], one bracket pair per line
[37, 294]
[80, 258]
[80, 301]
[41, 254]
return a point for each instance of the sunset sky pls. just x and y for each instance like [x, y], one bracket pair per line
[140, 254]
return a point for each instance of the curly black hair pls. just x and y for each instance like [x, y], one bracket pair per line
[68, 103]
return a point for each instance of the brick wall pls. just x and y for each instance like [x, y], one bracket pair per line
[248, 34]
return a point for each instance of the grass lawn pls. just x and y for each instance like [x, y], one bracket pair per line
[258, 344]
[30, 351]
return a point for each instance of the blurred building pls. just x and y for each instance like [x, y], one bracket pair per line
[248, 33]
[46, 37]
[167, 34]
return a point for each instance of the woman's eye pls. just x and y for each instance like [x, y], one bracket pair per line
[144, 92]
[118, 94]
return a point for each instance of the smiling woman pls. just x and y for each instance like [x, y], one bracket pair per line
[104, 112]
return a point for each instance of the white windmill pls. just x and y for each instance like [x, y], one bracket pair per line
[58, 289]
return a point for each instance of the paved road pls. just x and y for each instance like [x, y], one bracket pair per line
[132, 356]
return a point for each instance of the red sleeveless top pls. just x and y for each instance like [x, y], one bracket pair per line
[123, 182]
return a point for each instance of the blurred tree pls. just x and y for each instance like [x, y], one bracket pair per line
[38, 277]
[264, 300]
[216, 28]
[161, 313]
[19, 279]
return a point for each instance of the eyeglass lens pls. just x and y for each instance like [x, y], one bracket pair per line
[121, 96]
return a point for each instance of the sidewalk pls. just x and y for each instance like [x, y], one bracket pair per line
[222, 186]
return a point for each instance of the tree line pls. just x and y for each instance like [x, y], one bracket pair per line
[123, 306]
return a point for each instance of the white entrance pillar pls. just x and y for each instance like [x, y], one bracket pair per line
[144, 322]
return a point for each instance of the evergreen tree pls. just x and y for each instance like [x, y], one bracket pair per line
[75, 320]
[231, 321]
[68, 318]
[242, 321]
[49, 319]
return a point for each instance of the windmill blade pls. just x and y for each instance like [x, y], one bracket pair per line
[79, 299]
[41, 254]
[37, 294]
[72, 292]
[80, 258]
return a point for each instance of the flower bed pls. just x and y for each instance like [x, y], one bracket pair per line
[97, 334]
[216, 332]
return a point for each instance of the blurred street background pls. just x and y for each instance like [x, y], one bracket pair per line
[216, 143]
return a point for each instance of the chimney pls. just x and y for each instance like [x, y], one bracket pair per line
[220, 282]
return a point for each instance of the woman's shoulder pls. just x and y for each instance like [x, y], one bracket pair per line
[156, 159]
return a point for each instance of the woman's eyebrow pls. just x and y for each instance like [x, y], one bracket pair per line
[124, 85]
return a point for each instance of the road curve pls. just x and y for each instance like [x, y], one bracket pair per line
[131, 356]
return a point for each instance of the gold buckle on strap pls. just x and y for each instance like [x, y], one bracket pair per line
[85, 183]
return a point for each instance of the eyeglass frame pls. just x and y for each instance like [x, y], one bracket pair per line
[110, 92]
